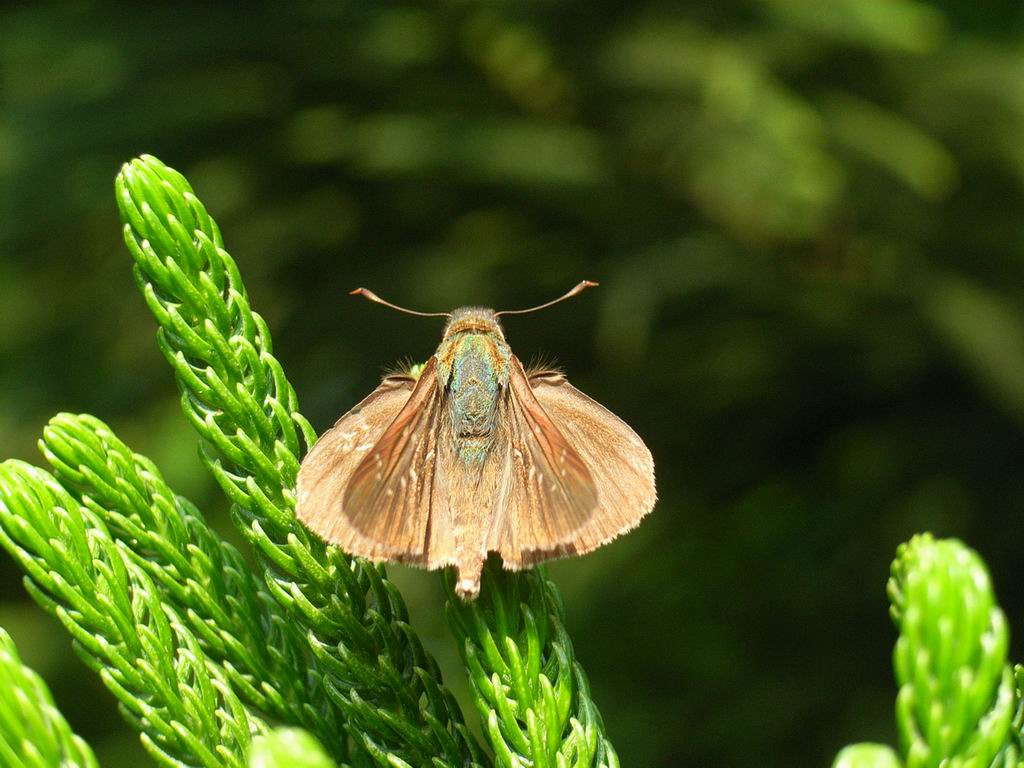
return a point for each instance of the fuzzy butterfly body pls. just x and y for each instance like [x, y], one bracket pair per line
[475, 456]
[473, 365]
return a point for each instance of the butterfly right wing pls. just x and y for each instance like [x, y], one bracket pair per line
[548, 493]
[619, 462]
[577, 475]
[341, 492]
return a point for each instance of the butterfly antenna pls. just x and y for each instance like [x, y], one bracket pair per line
[579, 288]
[368, 294]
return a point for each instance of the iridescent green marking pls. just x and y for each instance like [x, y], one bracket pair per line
[474, 366]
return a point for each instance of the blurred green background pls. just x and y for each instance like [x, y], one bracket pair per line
[806, 218]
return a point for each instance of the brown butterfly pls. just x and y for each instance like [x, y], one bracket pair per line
[475, 455]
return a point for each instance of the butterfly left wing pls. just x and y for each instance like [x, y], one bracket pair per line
[348, 484]
[388, 499]
[327, 468]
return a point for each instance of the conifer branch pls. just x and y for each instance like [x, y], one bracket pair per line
[236, 396]
[956, 698]
[530, 691]
[33, 732]
[959, 703]
[235, 620]
[181, 702]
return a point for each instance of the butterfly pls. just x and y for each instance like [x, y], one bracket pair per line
[475, 455]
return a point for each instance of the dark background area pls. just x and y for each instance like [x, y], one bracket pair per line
[806, 219]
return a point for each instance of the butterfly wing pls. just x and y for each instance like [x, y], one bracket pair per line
[601, 473]
[549, 493]
[364, 483]
[388, 500]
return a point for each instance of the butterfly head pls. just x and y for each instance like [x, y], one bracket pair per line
[473, 320]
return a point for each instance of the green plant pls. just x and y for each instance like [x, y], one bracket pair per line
[531, 694]
[33, 733]
[315, 639]
[224, 604]
[123, 627]
[287, 748]
[958, 704]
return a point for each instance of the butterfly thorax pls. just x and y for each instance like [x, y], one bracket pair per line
[472, 370]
